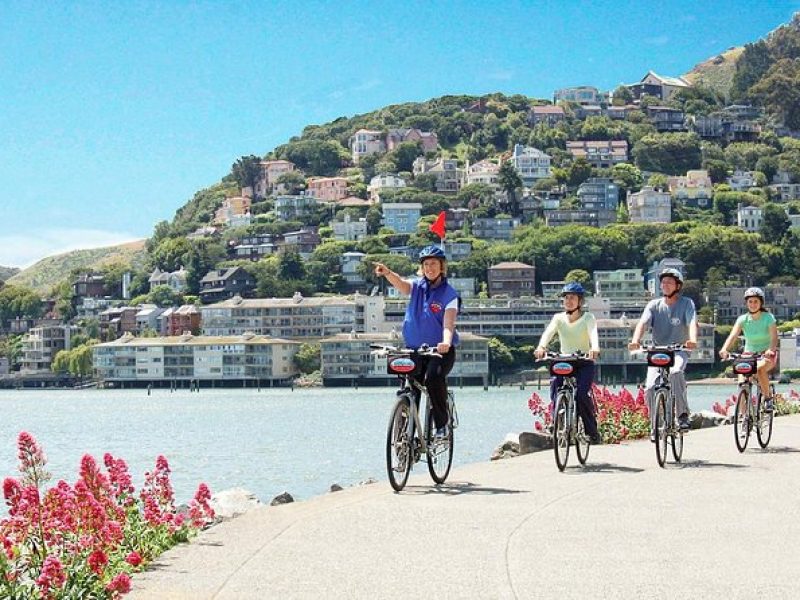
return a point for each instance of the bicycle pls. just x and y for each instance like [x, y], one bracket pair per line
[567, 427]
[665, 428]
[750, 411]
[404, 444]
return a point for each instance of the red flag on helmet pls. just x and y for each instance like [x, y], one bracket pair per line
[438, 225]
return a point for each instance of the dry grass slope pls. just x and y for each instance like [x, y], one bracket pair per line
[50, 271]
[716, 73]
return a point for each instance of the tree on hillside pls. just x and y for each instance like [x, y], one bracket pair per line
[290, 265]
[775, 223]
[779, 91]
[19, 302]
[622, 96]
[293, 182]
[246, 171]
[578, 171]
[314, 157]
[750, 67]
[627, 177]
[510, 182]
[404, 155]
[670, 153]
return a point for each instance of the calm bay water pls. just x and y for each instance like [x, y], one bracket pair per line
[268, 442]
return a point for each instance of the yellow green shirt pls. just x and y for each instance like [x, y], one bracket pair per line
[573, 337]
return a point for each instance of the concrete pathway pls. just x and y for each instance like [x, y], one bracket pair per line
[719, 525]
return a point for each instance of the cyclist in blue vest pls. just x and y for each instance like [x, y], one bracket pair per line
[430, 320]
[672, 320]
[760, 335]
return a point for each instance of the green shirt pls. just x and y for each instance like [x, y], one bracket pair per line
[757, 337]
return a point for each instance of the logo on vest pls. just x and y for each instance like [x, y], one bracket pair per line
[436, 308]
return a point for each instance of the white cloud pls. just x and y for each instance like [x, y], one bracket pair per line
[356, 88]
[24, 249]
[659, 40]
[502, 74]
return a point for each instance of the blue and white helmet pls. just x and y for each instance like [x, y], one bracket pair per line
[432, 252]
[573, 288]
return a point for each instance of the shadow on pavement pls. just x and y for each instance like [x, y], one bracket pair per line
[778, 450]
[608, 468]
[704, 464]
[457, 488]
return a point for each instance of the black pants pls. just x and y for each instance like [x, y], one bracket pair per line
[432, 372]
[584, 377]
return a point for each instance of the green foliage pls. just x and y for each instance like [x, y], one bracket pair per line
[578, 276]
[500, 355]
[314, 157]
[308, 358]
[775, 223]
[19, 302]
[246, 171]
[670, 153]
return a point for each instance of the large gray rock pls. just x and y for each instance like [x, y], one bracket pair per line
[534, 441]
[232, 503]
[707, 418]
[284, 498]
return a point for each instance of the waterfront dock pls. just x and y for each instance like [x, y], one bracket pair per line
[719, 525]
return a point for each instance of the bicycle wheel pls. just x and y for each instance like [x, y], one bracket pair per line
[677, 436]
[561, 430]
[581, 441]
[741, 419]
[399, 450]
[764, 422]
[661, 426]
[440, 452]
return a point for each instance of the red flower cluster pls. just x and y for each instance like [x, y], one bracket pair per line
[723, 409]
[92, 534]
[619, 415]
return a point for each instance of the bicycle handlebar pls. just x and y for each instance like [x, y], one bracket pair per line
[424, 350]
[747, 355]
[668, 347]
[558, 356]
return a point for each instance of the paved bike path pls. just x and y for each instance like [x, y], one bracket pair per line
[720, 525]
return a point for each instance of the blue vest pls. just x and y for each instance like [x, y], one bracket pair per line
[424, 320]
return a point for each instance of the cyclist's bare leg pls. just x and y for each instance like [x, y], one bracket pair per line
[765, 365]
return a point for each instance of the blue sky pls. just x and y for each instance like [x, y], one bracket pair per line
[112, 114]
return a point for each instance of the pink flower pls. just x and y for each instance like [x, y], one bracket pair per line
[121, 584]
[52, 575]
[11, 490]
[134, 559]
[97, 561]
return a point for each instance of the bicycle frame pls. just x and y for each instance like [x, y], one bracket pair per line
[745, 365]
[409, 436]
[663, 358]
[564, 365]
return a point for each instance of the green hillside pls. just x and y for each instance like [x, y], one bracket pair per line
[7, 272]
[50, 271]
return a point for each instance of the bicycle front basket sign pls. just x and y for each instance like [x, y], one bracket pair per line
[561, 368]
[745, 367]
[660, 359]
[402, 364]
